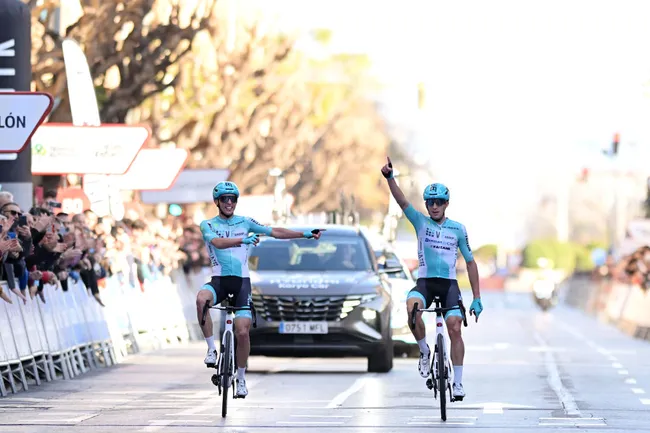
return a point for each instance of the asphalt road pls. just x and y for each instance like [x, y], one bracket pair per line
[524, 371]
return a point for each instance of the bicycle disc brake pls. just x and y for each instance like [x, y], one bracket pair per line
[216, 382]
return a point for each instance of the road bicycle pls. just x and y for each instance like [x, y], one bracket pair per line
[227, 360]
[441, 370]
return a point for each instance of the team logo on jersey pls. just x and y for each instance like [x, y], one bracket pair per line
[432, 233]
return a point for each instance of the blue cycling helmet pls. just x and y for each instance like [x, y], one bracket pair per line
[225, 188]
[436, 190]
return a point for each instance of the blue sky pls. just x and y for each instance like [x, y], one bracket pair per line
[543, 83]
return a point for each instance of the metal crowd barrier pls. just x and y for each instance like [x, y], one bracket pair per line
[71, 333]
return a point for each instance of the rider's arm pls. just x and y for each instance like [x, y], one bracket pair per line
[217, 242]
[276, 232]
[472, 268]
[397, 193]
[282, 233]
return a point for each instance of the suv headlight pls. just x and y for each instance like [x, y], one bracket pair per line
[353, 302]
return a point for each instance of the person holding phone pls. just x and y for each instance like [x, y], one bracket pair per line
[17, 230]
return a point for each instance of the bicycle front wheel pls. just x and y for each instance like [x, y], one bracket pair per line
[442, 379]
[225, 377]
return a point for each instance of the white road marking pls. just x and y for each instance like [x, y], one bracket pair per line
[207, 396]
[77, 419]
[555, 382]
[189, 421]
[638, 391]
[645, 401]
[321, 416]
[355, 387]
[310, 422]
[439, 422]
[617, 365]
[630, 381]
[623, 372]
[571, 422]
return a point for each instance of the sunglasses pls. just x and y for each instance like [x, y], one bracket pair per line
[14, 212]
[228, 199]
[437, 201]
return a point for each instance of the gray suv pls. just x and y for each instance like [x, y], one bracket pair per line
[324, 298]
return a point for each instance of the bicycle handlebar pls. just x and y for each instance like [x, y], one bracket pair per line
[229, 308]
[441, 310]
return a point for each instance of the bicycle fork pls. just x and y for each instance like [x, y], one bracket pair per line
[432, 382]
[224, 375]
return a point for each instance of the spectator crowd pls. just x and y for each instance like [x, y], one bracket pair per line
[635, 268]
[43, 246]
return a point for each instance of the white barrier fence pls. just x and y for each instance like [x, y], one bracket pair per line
[71, 333]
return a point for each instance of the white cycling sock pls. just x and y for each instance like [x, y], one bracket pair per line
[241, 373]
[423, 346]
[210, 341]
[458, 374]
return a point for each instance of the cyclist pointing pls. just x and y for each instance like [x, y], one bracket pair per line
[439, 239]
[228, 238]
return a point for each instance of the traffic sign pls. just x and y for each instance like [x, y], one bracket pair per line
[153, 169]
[73, 200]
[21, 113]
[62, 148]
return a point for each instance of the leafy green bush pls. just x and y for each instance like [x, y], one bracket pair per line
[567, 256]
[486, 252]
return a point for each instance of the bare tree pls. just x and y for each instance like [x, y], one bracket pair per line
[133, 48]
[263, 106]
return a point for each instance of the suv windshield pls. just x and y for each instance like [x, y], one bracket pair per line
[331, 253]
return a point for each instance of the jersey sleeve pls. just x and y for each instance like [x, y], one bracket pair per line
[258, 228]
[413, 216]
[463, 244]
[206, 231]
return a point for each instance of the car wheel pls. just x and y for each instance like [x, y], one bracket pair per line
[381, 361]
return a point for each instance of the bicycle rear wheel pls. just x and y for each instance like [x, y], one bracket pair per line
[442, 379]
[225, 376]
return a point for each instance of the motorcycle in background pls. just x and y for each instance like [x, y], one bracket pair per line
[545, 293]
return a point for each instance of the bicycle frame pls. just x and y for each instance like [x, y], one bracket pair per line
[225, 376]
[441, 326]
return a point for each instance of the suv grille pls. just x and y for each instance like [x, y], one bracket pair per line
[306, 308]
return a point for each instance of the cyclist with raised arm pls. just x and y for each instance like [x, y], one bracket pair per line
[439, 239]
[228, 238]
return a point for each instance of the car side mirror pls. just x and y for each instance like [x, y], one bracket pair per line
[390, 270]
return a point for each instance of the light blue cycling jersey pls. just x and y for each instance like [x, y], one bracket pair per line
[230, 261]
[438, 245]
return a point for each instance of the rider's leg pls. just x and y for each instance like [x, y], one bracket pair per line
[242, 329]
[454, 320]
[419, 331]
[243, 320]
[207, 294]
[454, 323]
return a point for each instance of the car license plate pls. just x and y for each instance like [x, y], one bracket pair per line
[303, 327]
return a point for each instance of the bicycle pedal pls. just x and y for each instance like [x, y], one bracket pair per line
[457, 398]
[210, 365]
